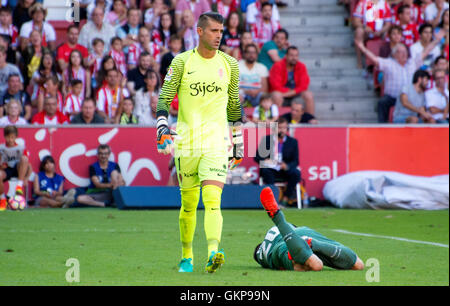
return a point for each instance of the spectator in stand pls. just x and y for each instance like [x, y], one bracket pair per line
[253, 82]
[50, 88]
[197, 7]
[264, 28]
[37, 22]
[49, 186]
[280, 161]
[129, 32]
[63, 52]
[105, 177]
[13, 110]
[136, 76]
[15, 92]
[73, 101]
[398, 71]
[254, 12]
[298, 114]
[75, 70]
[96, 60]
[7, 27]
[231, 38]
[410, 33]
[246, 39]
[275, 50]
[289, 79]
[416, 16]
[266, 111]
[96, 28]
[175, 46]
[6, 69]
[110, 97]
[395, 38]
[410, 105]
[11, 56]
[118, 55]
[434, 11]
[188, 30]
[88, 115]
[21, 12]
[117, 17]
[50, 115]
[436, 99]
[426, 36]
[443, 26]
[440, 63]
[146, 99]
[127, 116]
[423, 7]
[371, 20]
[144, 44]
[153, 14]
[161, 35]
[32, 55]
[225, 7]
[104, 5]
[14, 162]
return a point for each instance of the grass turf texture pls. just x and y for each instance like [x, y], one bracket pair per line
[142, 247]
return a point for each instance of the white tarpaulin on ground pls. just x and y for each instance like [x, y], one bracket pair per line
[388, 190]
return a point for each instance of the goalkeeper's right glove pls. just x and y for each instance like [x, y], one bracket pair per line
[164, 136]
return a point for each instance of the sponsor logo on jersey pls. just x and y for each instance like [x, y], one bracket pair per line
[202, 88]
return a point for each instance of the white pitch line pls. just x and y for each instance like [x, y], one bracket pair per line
[391, 237]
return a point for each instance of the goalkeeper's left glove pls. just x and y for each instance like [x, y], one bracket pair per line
[238, 147]
[164, 136]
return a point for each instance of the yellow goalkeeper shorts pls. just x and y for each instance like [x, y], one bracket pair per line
[191, 171]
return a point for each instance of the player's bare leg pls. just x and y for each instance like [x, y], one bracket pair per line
[23, 168]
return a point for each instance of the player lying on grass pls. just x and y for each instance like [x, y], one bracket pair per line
[286, 247]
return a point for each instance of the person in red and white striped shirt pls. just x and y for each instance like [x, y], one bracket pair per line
[118, 55]
[410, 29]
[6, 26]
[264, 28]
[416, 13]
[72, 104]
[144, 44]
[371, 19]
[110, 97]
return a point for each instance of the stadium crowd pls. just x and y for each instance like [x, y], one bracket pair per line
[400, 38]
[118, 53]
[110, 64]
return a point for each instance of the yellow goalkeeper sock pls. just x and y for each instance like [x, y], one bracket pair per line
[213, 217]
[188, 219]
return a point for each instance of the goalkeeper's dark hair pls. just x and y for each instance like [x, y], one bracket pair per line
[204, 18]
[255, 257]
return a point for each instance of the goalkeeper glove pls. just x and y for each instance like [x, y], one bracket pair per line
[238, 147]
[164, 136]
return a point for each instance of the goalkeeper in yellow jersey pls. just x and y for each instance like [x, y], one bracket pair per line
[206, 81]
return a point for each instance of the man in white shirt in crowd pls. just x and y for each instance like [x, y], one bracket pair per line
[253, 77]
[96, 29]
[436, 99]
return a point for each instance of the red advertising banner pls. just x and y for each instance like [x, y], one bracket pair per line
[420, 151]
[325, 152]
[322, 156]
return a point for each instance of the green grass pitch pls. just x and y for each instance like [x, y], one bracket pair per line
[142, 247]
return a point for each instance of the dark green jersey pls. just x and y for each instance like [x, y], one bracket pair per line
[273, 251]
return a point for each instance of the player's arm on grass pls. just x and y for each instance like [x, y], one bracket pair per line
[168, 92]
[234, 114]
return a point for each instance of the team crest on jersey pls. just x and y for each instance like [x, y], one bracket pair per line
[169, 74]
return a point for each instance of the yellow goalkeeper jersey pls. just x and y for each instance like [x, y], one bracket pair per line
[208, 95]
